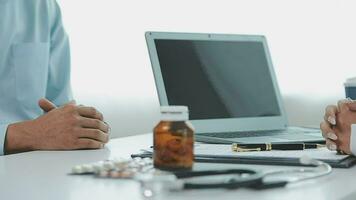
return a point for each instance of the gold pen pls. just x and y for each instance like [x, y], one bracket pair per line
[275, 146]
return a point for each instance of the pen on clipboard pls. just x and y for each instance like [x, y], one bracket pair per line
[276, 146]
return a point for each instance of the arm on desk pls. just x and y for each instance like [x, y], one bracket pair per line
[65, 128]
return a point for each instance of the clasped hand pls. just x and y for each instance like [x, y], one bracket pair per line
[67, 127]
[336, 127]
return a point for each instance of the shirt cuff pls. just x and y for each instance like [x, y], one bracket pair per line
[3, 129]
[353, 139]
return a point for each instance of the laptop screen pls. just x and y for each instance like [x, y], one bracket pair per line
[218, 79]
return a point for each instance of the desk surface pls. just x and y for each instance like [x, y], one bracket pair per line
[43, 175]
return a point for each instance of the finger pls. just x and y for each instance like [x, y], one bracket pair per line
[90, 112]
[94, 134]
[330, 114]
[94, 124]
[46, 105]
[331, 145]
[85, 143]
[327, 131]
[342, 105]
[72, 102]
[352, 105]
[345, 151]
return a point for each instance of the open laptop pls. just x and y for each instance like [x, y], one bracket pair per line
[228, 83]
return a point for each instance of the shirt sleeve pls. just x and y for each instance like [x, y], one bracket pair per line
[58, 86]
[3, 129]
[353, 139]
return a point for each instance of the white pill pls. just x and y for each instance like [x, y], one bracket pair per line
[97, 167]
[108, 165]
[147, 160]
[133, 165]
[77, 169]
[120, 160]
[87, 168]
[121, 163]
[137, 159]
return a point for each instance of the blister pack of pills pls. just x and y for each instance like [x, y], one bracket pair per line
[117, 168]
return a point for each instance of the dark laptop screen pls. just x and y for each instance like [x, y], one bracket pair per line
[218, 79]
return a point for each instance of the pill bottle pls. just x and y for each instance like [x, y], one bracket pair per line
[173, 140]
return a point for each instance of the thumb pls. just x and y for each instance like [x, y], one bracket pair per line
[46, 105]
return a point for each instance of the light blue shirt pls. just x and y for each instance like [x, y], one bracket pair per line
[34, 60]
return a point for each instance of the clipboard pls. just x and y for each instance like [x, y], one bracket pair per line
[218, 153]
[345, 163]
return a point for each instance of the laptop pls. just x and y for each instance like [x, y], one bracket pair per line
[229, 85]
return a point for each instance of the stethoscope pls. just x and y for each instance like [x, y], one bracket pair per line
[250, 178]
[238, 178]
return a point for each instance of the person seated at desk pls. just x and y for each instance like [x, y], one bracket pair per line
[339, 126]
[35, 77]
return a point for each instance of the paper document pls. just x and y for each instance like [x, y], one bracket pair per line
[221, 150]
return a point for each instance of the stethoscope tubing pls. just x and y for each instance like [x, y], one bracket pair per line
[254, 178]
[317, 173]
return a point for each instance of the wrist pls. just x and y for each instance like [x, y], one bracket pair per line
[18, 138]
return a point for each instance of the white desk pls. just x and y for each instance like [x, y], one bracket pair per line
[43, 175]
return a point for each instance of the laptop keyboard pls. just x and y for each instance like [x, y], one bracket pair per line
[240, 134]
[289, 134]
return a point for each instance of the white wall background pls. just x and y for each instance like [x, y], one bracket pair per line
[312, 42]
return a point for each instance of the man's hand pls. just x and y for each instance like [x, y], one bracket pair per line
[336, 127]
[65, 128]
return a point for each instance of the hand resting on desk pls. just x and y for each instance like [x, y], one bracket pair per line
[64, 128]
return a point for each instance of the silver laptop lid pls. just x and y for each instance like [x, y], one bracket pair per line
[227, 81]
